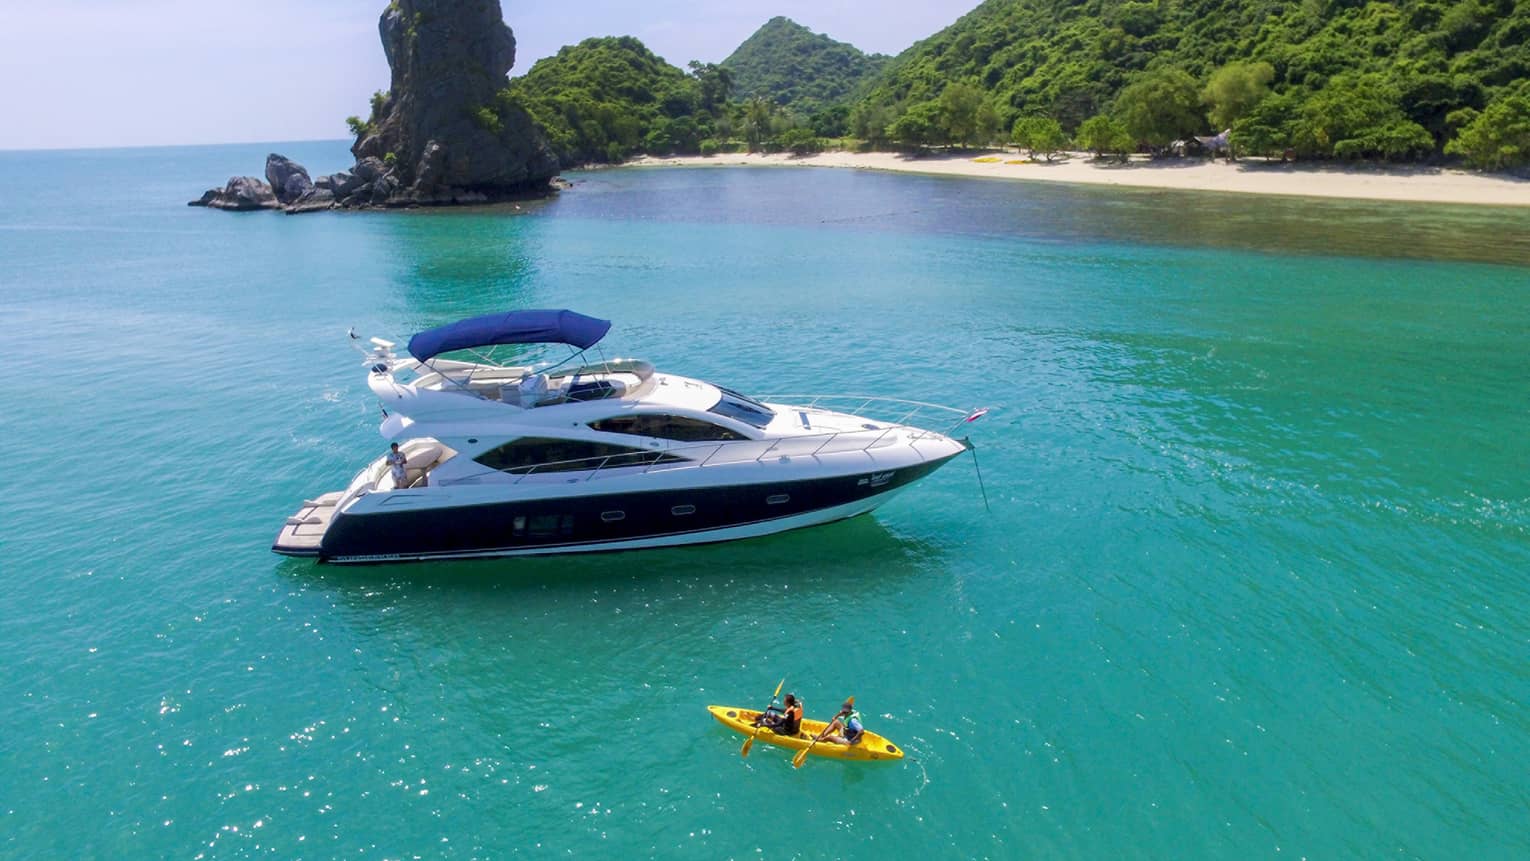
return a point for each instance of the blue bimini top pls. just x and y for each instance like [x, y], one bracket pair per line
[513, 327]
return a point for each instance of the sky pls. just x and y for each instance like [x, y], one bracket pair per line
[114, 73]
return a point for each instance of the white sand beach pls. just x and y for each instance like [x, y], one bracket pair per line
[1248, 176]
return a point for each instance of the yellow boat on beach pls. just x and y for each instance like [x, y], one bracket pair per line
[870, 747]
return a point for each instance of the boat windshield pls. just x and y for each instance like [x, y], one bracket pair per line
[743, 408]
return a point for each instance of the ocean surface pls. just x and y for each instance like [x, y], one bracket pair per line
[1255, 581]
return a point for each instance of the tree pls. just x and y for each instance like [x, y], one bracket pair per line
[987, 123]
[800, 141]
[919, 126]
[958, 112]
[1497, 138]
[756, 122]
[831, 122]
[716, 84]
[1040, 135]
[1235, 89]
[1266, 129]
[1160, 107]
[1101, 134]
[870, 123]
[667, 136]
[1357, 116]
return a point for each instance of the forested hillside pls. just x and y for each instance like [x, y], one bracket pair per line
[605, 99]
[1339, 78]
[1414, 79]
[802, 71]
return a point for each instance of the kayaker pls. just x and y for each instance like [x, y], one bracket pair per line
[846, 727]
[788, 722]
[771, 713]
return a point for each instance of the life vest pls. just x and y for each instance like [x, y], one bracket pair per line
[793, 719]
[853, 728]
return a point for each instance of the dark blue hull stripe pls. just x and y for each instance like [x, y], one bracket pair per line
[588, 522]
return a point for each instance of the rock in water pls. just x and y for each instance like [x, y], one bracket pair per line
[241, 194]
[441, 132]
[312, 200]
[289, 180]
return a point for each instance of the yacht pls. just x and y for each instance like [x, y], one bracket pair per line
[594, 454]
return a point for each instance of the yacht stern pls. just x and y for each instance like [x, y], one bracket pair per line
[304, 531]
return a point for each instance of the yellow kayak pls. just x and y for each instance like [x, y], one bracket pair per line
[871, 746]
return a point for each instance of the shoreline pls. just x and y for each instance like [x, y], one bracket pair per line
[1252, 176]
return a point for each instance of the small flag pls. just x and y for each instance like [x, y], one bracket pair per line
[977, 414]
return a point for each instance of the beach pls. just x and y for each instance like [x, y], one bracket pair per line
[1249, 176]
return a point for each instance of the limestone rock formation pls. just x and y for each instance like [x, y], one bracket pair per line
[440, 136]
[441, 132]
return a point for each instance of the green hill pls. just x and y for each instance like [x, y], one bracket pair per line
[802, 71]
[1344, 78]
[605, 99]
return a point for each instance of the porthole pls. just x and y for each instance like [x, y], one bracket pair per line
[682, 510]
[613, 516]
[778, 499]
[733, 714]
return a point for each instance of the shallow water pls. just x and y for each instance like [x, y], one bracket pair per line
[1252, 582]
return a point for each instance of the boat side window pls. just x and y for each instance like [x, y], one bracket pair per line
[542, 454]
[544, 526]
[743, 408]
[679, 428]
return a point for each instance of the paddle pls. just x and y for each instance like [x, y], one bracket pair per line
[749, 742]
[801, 756]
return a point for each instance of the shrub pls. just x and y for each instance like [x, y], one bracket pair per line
[486, 119]
[800, 141]
[1497, 138]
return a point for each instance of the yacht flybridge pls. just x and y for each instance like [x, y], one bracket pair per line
[503, 460]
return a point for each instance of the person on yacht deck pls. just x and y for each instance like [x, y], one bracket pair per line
[398, 463]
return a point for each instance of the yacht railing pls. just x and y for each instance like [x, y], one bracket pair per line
[733, 452]
[902, 412]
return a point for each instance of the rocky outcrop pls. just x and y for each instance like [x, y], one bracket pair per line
[289, 180]
[241, 194]
[442, 130]
[312, 200]
[441, 135]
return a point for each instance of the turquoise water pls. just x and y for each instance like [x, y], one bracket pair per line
[1253, 583]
